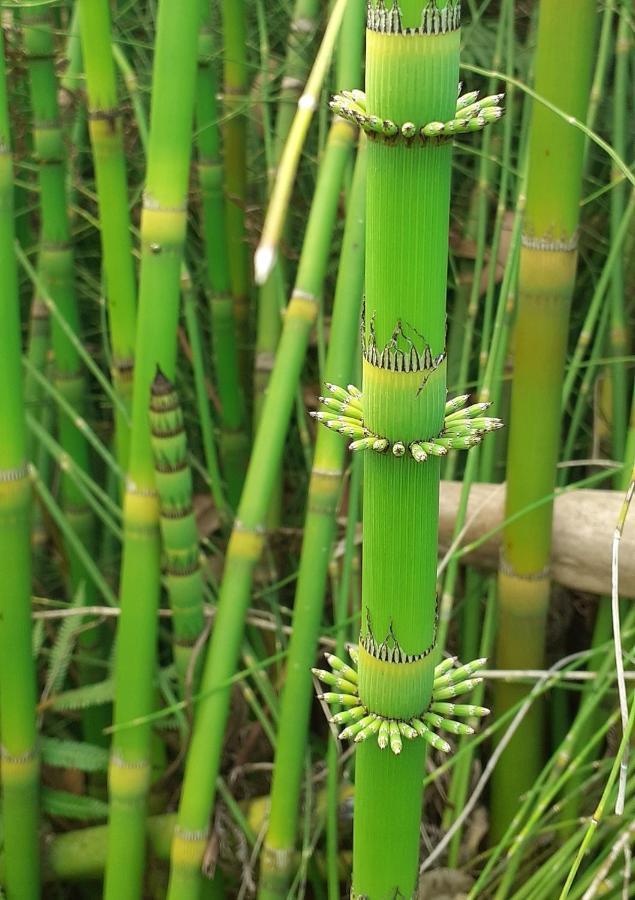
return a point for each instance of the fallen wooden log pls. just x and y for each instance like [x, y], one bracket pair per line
[583, 528]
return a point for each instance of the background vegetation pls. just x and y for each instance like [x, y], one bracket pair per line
[141, 146]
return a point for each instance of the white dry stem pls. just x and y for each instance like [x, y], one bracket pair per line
[622, 843]
[617, 637]
[264, 259]
[247, 884]
[513, 675]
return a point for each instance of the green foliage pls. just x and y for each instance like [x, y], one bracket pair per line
[282, 581]
[62, 649]
[64, 754]
[73, 806]
[83, 697]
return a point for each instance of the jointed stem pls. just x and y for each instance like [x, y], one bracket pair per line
[546, 279]
[19, 757]
[163, 227]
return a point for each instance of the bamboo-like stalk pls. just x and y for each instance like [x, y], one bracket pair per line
[477, 629]
[235, 88]
[408, 196]
[178, 525]
[211, 174]
[400, 420]
[546, 280]
[106, 135]
[277, 860]
[56, 254]
[163, 225]
[56, 267]
[19, 758]
[247, 538]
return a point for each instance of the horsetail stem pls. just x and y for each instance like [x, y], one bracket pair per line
[57, 269]
[412, 75]
[548, 260]
[178, 526]
[106, 135]
[19, 758]
[163, 226]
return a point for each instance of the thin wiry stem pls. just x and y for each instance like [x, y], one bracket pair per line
[621, 164]
[538, 689]
[617, 637]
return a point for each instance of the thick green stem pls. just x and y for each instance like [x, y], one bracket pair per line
[57, 268]
[409, 78]
[19, 758]
[106, 135]
[546, 280]
[479, 624]
[163, 226]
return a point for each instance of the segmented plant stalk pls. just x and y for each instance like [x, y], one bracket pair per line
[478, 624]
[211, 175]
[409, 78]
[546, 280]
[302, 27]
[277, 860]
[178, 526]
[395, 698]
[38, 348]
[235, 88]
[247, 539]
[106, 135]
[56, 267]
[19, 759]
[163, 225]
[56, 253]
